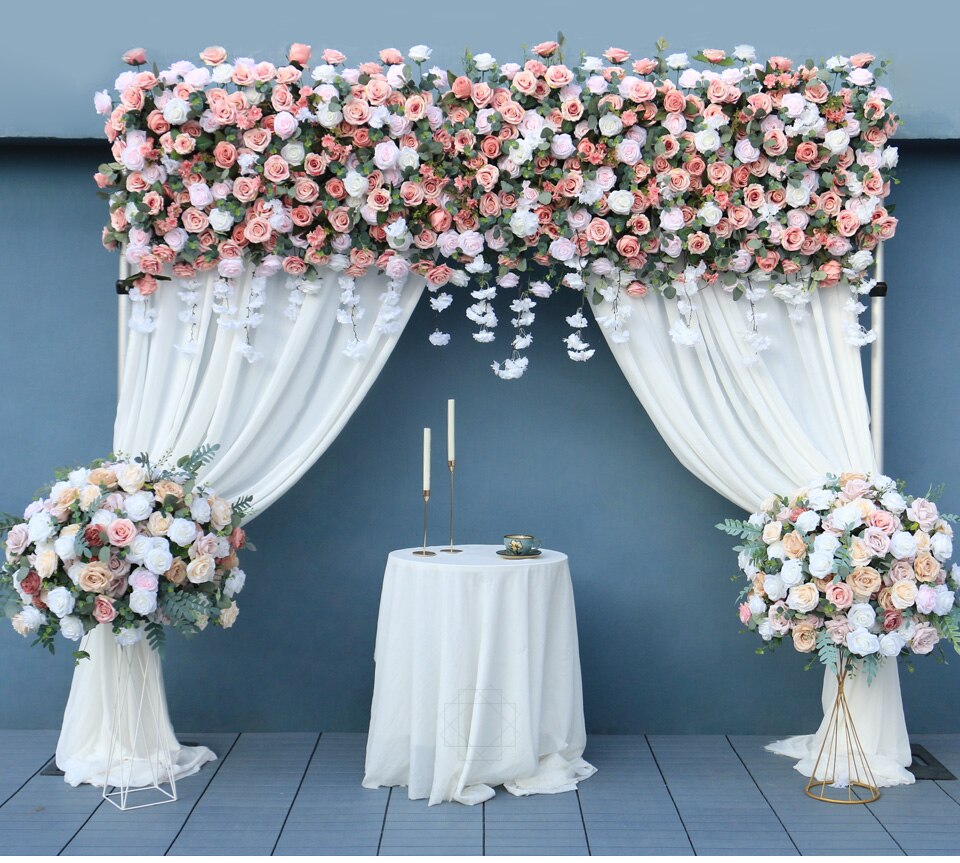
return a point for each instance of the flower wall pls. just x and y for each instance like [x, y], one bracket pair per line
[608, 175]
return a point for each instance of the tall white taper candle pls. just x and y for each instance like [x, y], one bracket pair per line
[451, 450]
[426, 459]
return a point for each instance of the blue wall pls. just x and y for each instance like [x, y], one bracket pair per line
[56, 53]
[566, 452]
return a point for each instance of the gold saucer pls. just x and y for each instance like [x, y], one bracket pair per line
[508, 555]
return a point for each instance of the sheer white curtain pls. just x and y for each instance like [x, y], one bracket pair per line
[272, 418]
[750, 430]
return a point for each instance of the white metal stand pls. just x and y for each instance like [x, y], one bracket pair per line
[876, 362]
[136, 738]
[123, 331]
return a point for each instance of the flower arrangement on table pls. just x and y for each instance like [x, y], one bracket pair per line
[617, 176]
[131, 544]
[851, 568]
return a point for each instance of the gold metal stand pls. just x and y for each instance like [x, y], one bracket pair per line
[451, 550]
[840, 742]
[422, 552]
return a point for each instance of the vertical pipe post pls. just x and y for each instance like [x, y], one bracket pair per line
[123, 311]
[876, 357]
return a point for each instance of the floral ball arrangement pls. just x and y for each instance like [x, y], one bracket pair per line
[128, 544]
[852, 568]
[617, 175]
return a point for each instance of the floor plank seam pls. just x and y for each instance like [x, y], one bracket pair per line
[666, 785]
[383, 824]
[220, 763]
[85, 821]
[869, 809]
[296, 793]
[583, 821]
[483, 828]
[25, 783]
[764, 796]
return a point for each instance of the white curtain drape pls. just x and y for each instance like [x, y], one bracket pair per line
[749, 430]
[272, 418]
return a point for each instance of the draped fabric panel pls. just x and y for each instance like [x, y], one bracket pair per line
[272, 418]
[749, 430]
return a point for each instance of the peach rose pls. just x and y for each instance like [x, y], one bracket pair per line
[864, 581]
[926, 566]
[794, 545]
[804, 637]
[177, 573]
[167, 488]
[95, 577]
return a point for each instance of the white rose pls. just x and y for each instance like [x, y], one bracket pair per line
[836, 140]
[620, 201]
[200, 509]
[820, 498]
[103, 518]
[689, 79]
[861, 614]
[484, 62]
[182, 532]
[71, 628]
[408, 158]
[826, 543]
[765, 628]
[774, 587]
[903, 545]
[893, 501]
[775, 551]
[419, 53]
[327, 118]
[234, 582]
[222, 73]
[158, 559]
[807, 521]
[78, 477]
[706, 140]
[847, 517]
[143, 602]
[40, 527]
[28, 620]
[860, 261]
[791, 572]
[138, 506]
[294, 152]
[64, 547]
[672, 219]
[324, 73]
[941, 546]
[678, 61]
[202, 569]
[523, 223]
[891, 644]
[745, 151]
[757, 605]
[60, 601]
[803, 597]
[746, 53]
[945, 600]
[820, 564]
[610, 125]
[797, 196]
[129, 635]
[221, 513]
[220, 220]
[710, 214]
[138, 549]
[862, 643]
[355, 184]
[176, 111]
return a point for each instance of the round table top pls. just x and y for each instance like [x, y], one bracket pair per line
[474, 556]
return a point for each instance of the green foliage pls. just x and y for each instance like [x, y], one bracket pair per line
[735, 527]
[156, 636]
[200, 457]
[828, 651]
[184, 609]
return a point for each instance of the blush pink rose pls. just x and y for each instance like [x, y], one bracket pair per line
[840, 595]
[121, 532]
[299, 54]
[103, 610]
[883, 520]
[135, 56]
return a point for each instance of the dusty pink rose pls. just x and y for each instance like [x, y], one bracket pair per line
[103, 610]
[925, 638]
[616, 55]
[923, 512]
[299, 54]
[17, 539]
[545, 49]
[840, 595]
[214, 55]
[276, 169]
[121, 532]
[135, 56]
[876, 541]
[883, 520]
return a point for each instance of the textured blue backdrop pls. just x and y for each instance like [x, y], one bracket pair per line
[566, 452]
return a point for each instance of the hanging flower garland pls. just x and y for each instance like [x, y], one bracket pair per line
[616, 177]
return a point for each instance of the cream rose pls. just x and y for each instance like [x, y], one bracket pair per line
[131, 477]
[228, 616]
[803, 597]
[159, 523]
[95, 577]
[804, 638]
[903, 594]
[221, 513]
[45, 562]
[794, 545]
[202, 569]
[771, 531]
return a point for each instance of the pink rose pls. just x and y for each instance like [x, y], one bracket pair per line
[135, 56]
[545, 49]
[257, 230]
[121, 532]
[214, 55]
[745, 613]
[839, 629]
[926, 599]
[876, 541]
[391, 57]
[333, 56]
[276, 169]
[299, 54]
[103, 610]
[143, 579]
[599, 232]
[840, 595]
[616, 55]
[883, 520]
[925, 638]
[892, 619]
[285, 125]
[847, 223]
[923, 512]
[558, 76]
[901, 570]
[194, 220]
[17, 539]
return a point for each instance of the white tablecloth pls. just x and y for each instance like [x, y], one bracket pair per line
[477, 677]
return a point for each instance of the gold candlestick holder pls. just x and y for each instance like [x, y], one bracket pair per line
[422, 552]
[451, 550]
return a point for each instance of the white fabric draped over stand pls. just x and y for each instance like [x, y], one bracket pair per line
[273, 419]
[751, 430]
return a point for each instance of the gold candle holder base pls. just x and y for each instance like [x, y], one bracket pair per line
[451, 550]
[422, 552]
[840, 742]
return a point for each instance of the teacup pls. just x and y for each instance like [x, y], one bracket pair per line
[520, 543]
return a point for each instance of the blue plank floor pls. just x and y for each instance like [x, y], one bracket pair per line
[300, 794]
